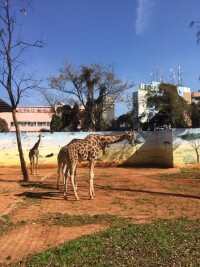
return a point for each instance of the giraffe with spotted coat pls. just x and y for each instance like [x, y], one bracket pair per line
[88, 149]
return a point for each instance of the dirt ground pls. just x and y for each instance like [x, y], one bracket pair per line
[126, 192]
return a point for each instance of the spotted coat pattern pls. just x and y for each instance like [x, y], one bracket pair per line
[88, 149]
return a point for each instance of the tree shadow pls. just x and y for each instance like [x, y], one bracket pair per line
[53, 195]
[180, 195]
[38, 185]
[9, 181]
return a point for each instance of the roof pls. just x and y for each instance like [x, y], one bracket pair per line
[4, 107]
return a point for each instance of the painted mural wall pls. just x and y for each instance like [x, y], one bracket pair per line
[186, 147]
[165, 148]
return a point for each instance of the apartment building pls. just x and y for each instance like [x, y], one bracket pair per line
[109, 108]
[195, 97]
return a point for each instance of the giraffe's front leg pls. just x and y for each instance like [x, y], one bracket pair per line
[66, 177]
[64, 168]
[75, 180]
[31, 166]
[91, 175]
[58, 176]
[36, 165]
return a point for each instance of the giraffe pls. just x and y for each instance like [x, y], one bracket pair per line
[88, 149]
[33, 156]
[62, 160]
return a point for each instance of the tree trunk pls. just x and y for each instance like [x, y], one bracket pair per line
[196, 150]
[19, 144]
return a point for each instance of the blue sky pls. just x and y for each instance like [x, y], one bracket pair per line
[134, 36]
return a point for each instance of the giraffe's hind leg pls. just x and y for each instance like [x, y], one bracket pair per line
[66, 178]
[72, 178]
[58, 175]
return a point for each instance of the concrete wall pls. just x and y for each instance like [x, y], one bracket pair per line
[166, 148]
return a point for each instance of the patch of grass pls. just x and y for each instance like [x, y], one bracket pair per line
[177, 188]
[32, 200]
[163, 243]
[190, 173]
[145, 201]
[79, 220]
[118, 201]
[6, 217]
[4, 191]
[105, 174]
[5, 224]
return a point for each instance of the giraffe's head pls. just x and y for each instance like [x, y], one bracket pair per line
[129, 136]
[40, 136]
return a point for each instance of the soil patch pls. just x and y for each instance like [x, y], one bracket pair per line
[127, 192]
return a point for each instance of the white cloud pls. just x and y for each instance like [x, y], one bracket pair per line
[144, 15]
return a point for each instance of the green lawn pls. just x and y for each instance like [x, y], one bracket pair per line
[162, 243]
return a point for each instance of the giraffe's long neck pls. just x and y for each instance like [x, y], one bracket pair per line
[111, 139]
[36, 144]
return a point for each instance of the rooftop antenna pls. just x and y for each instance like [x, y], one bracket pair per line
[152, 75]
[161, 75]
[157, 74]
[174, 77]
[171, 76]
[180, 76]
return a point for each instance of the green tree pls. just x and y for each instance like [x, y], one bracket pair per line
[127, 120]
[3, 126]
[195, 115]
[12, 79]
[76, 118]
[66, 111]
[56, 123]
[172, 110]
[89, 85]
[66, 119]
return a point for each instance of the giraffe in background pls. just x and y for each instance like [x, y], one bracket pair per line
[33, 156]
[88, 149]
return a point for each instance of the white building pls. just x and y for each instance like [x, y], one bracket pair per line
[139, 101]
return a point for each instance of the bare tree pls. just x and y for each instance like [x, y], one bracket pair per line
[13, 81]
[89, 85]
[195, 144]
[196, 24]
